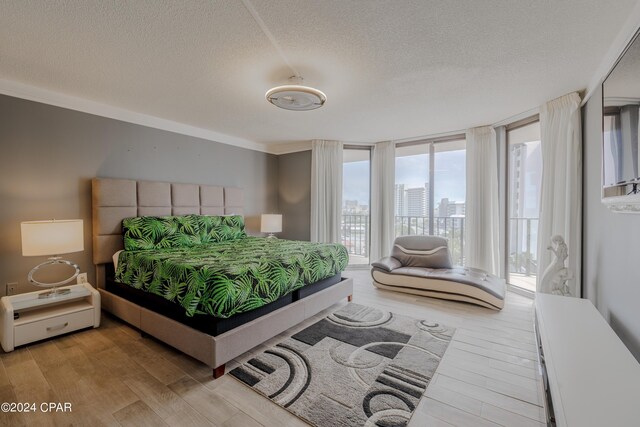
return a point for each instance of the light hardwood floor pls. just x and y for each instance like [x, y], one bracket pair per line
[112, 376]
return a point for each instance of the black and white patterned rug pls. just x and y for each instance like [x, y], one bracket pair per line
[358, 366]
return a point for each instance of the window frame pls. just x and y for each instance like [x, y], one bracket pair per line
[368, 148]
[431, 143]
[504, 151]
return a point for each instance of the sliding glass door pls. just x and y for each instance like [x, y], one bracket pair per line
[430, 191]
[524, 175]
[356, 173]
[450, 184]
[412, 189]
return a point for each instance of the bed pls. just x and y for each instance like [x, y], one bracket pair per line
[174, 261]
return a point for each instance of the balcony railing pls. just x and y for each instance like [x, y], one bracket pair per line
[523, 243]
[523, 262]
[355, 232]
[449, 227]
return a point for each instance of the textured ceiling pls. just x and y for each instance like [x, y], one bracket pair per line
[624, 81]
[391, 69]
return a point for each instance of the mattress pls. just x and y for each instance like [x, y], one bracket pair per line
[227, 278]
[206, 323]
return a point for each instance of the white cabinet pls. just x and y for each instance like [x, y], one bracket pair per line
[593, 380]
[25, 318]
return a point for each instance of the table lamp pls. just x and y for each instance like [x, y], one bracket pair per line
[271, 223]
[54, 237]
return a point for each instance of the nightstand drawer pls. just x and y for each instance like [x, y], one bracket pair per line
[53, 326]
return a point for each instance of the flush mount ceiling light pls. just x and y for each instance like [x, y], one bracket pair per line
[296, 96]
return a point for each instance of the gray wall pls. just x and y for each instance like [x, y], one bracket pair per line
[49, 155]
[294, 195]
[611, 278]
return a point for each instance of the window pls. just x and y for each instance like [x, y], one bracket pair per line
[355, 204]
[412, 189]
[430, 191]
[450, 185]
[616, 164]
[524, 169]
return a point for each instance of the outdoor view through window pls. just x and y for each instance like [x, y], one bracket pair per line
[355, 204]
[524, 181]
[429, 198]
[430, 192]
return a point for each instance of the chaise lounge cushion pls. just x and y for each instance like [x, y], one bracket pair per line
[422, 251]
[416, 267]
[387, 264]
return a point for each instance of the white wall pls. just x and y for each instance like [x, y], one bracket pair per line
[294, 195]
[611, 251]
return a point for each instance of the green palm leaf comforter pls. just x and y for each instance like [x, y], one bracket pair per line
[230, 277]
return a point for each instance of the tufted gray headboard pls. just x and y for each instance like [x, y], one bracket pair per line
[116, 199]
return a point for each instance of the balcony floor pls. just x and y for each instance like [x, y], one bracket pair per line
[358, 260]
[522, 281]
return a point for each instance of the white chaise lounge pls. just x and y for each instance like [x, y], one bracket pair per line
[421, 265]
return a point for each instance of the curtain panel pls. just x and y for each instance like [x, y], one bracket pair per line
[561, 192]
[383, 173]
[482, 228]
[326, 191]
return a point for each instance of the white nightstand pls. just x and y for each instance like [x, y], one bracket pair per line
[25, 318]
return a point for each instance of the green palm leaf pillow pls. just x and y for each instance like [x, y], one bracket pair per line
[160, 232]
[163, 232]
[214, 229]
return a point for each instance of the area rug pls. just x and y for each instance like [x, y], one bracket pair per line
[358, 366]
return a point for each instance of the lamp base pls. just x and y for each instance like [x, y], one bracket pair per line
[271, 236]
[53, 261]
[53, 293]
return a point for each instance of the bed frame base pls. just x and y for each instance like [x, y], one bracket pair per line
[215, 351]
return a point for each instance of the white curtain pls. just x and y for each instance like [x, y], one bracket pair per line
[326, 191]
[501, 144]
[482, 229]
[561, 192]
[383, 173]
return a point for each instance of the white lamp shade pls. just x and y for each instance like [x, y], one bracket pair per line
[271, 223]
[52, 237]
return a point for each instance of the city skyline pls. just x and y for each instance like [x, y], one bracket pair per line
[413, 171]
[444, 207]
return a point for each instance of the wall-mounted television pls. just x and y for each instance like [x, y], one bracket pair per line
[620, 145]
[620, 132]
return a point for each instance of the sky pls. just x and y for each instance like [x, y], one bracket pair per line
[413, 171]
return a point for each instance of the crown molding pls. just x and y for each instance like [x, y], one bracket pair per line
[288, 147]
[620, 43]
[45, 96]
[517, 117]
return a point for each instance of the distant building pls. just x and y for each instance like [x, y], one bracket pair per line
[427, 199]
[416, 201]
[448, 208]
[349, 206]
[400, 200]
[362, 209]
[412, 201]
[525, 167]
